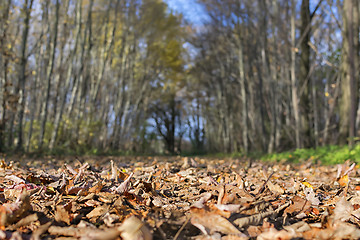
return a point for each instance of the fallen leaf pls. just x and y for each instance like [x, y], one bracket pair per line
[211, 223]
[134, 229]
[275, 188]
[62, 215]
[272, 233]
[11, 212]
[343, 210]
[97, 212]
[124, 186]
[310, 195]
[344, 180]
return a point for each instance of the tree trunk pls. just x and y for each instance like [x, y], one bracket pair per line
[352, 27]
[3, 72]
[304, 73]
[347, 100]
[243, 97]
[44, 112]
[22, 72]
[294, 89]
[66, 87]
[105, 53]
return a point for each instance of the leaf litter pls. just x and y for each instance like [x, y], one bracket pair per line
[148, 198]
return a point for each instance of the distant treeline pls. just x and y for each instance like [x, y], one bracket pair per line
[133, 75]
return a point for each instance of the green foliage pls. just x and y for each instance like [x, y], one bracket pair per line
[35, 136]
[326, 155]
[75, 137]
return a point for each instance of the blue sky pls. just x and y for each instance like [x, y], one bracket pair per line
[190, 9]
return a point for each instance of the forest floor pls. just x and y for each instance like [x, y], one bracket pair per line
[177, 198]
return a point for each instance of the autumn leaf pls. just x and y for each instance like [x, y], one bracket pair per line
[211, 223]
[133, 229]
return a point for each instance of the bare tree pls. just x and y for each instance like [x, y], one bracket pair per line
[22, 71]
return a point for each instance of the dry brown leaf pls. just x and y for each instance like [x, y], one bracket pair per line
[233, 237]
[15, 179]
[298, 227]
[40, 230]
[254, 231]
[26, 221]
[275, 188]
[96, 188]
[273, 234]
[104, 234]
[62, 215]
[346, 231]
[229, 207]
[298, 205]
[11, 212]
[257, 218]
[66, 231]
[204, 198]
[343, 210]
[98, 211]
[310, 195]
[134, 229]
[124, 186]
[211, 223]
[113, 171]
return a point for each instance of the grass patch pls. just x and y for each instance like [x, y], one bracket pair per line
[326, 155]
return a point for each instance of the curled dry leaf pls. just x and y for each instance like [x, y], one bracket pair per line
[204, 198]
[66, 231]
[310, 195]
[210, 223]
[275, 188]
[134, 229]
[257, 218]
[15, 179]
[343, 210]
[12, 212]
[229, 207]
[40, 230]
[98, 211]
[298, 205]
[189, 162]
[26, 220]
[113, 171]
[62, 215]
[124, 186]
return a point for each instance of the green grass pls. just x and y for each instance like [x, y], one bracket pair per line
[326, 155]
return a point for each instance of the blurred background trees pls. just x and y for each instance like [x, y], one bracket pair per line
[135, 75]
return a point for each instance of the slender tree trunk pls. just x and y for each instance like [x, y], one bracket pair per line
[331, 107]
[349, 11]
[105, 52]
[315, 109]
[78, 88]
[3, 72]
[265, 72]
[243, 97]
[346, 96]
[44, 112]
[304, 73]
[22, 72]
[66, 87]
[34, 97]
[294, 89]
